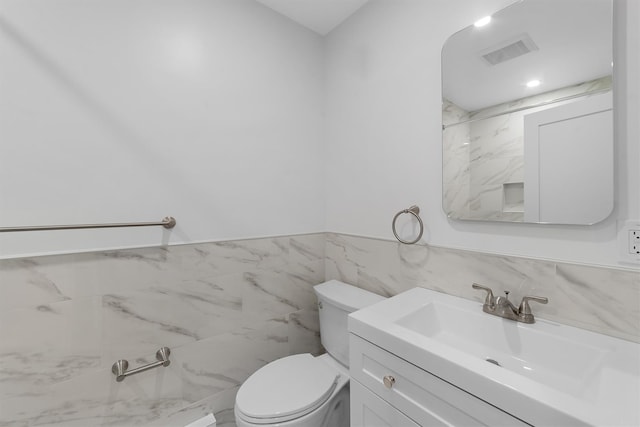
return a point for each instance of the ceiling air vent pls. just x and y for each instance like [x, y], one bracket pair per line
[509, 49]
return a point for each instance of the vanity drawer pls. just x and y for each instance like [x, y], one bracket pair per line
[369, 410]
[420, 395]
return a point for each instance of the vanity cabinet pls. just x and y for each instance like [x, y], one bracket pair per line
[389, 391]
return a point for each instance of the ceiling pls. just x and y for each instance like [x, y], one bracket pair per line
[574, 33]
[321, 16]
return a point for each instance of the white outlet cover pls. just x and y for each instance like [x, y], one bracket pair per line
[634, 241]
[623, 239]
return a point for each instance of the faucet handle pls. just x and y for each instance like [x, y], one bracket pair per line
[489, 300]
[524, 311]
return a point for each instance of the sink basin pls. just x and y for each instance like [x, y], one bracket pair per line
[562, 362]
[543, 373]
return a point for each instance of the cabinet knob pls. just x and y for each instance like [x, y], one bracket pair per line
[389, 381]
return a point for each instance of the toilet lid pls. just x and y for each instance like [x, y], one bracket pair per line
[285, 389]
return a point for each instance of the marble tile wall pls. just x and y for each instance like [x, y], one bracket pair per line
[604, 300]
[225, 309]
[455, 161]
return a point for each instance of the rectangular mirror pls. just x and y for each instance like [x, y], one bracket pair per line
[527, 115]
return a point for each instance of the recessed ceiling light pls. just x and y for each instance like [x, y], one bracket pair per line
[482, 22]
[533, 83]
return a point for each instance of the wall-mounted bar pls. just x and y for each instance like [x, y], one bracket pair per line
[527, 107]
[119, 368]
[167, 222]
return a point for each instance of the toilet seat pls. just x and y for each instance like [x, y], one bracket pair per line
[286, 389]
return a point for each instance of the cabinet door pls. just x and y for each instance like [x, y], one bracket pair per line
[368, 410]
[425, 398]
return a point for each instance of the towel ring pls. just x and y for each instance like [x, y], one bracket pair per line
[413, 210]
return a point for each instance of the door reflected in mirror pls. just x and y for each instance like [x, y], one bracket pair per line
[528, 116]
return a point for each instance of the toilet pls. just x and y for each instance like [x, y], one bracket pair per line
[303, 390]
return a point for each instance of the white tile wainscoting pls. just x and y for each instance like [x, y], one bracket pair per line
[604, 300]
[226, 309]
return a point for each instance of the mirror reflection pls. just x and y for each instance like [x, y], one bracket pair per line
[527, 115]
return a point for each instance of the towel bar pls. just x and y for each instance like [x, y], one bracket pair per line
[167, 222]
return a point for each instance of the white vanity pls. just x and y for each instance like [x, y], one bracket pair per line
[426, 358]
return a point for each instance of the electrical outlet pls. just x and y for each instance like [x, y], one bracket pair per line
[629, 238]
[634, 242]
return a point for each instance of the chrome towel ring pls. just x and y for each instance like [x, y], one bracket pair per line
[415, 211]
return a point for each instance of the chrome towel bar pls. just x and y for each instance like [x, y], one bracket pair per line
[167, 222]
[540, 104]
[415, 211]
[119, 368]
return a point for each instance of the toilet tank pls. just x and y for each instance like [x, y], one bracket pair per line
[335, 301]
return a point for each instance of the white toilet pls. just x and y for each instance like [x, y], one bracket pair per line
[303, 390]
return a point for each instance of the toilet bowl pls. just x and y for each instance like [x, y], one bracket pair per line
[298, 390]
[303, 390]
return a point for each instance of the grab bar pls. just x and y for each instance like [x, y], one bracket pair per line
[167, 222]
[119, 368]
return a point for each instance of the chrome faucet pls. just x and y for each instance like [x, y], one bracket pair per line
[502, 307]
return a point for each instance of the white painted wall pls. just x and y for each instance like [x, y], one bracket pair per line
[131, 110]
[212, 111]
[384, 149]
